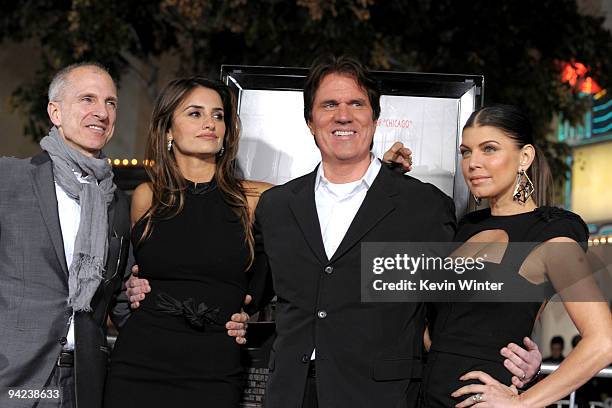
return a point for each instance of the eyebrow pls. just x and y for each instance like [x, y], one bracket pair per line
[360, 100]
[483, 143]
[215, 109]
[93, 95]
[85, 94]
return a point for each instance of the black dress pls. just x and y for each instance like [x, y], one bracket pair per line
[468, 336]
[174, 349]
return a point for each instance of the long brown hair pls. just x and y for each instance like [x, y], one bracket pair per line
[516, 124]
[167, 182]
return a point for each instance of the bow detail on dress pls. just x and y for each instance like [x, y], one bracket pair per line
[196, 315]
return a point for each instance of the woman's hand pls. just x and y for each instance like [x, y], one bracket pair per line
[491, 393]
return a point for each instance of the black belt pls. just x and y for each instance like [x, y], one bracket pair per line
[65, 359]
[312, 369]
[196, 315]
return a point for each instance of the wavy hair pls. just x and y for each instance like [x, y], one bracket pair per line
[168, 184]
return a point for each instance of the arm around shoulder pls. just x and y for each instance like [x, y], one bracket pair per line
[254, 190]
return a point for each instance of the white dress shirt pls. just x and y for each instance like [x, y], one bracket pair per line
[337, 205]
[69, 216]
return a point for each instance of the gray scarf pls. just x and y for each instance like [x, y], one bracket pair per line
[85, 272]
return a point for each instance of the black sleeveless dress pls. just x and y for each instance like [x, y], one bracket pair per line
[174, 349]
[468, 336]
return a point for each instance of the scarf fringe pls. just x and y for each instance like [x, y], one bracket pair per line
[85, 277]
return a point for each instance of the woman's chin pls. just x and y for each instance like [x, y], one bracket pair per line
[483, 195]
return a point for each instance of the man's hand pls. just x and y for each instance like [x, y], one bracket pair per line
[237, 326]
[523, 364]
[136, 288]
[400, 156]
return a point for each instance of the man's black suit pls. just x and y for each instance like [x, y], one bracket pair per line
[367, 354]
[34, 285]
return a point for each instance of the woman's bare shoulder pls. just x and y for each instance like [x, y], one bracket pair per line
[142, 197]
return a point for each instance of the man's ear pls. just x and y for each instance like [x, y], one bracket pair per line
[309, 124]
[55, 114]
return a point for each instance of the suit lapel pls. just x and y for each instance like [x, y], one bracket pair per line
[304, 210]
[44, 188]
[378, 203]
[111, 218]
[114, 242]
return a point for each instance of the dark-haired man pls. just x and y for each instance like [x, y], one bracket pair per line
[331, 349]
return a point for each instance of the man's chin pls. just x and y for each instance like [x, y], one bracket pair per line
[350, 158]
[354, 154]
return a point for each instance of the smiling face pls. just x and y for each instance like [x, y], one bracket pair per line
[342, 120]
[86, 111]
[198, 125]
[490, 161]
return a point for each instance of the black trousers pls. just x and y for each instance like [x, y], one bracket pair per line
[62, 379]
[310, 392]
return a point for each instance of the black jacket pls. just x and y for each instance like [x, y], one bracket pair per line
[367, 354]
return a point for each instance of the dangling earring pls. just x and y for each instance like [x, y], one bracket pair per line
[221, 151]
[524, 187]
[169, 145]
[478, 200]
